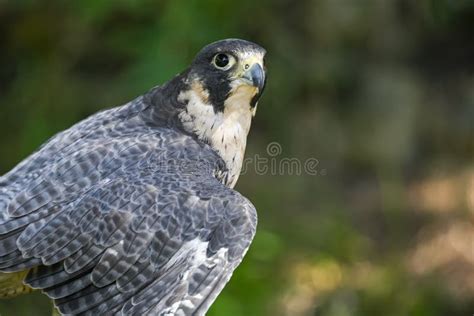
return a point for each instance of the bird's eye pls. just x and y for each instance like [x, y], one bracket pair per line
[223, 61]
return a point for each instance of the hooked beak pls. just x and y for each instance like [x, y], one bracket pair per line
[255, 76]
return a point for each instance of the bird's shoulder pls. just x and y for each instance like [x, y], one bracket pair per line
[121, 139]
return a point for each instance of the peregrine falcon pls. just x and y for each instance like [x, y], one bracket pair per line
[132, 211]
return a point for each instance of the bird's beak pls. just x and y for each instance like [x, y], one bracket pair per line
[255, 76]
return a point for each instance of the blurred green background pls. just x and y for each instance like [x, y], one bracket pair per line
[380, 92]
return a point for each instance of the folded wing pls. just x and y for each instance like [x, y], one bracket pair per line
[110, 227]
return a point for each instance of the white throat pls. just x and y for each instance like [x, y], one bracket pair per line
[225, 131]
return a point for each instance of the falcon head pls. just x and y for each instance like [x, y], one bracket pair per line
[226, 69]
[216, 98]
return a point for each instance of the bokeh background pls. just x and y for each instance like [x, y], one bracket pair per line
[380, 92]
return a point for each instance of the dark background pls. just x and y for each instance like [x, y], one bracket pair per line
[380, 92]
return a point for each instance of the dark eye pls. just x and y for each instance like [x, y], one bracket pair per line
[223, 61]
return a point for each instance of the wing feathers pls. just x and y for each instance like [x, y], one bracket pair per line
[107, 228]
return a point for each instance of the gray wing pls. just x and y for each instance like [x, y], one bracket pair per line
[114, 227]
